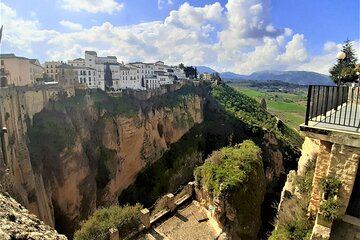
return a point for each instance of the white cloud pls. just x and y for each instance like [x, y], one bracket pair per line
[331, 46]
[161, 3]
[71, 25]
[92, 6]
[20, 33]
[295, 50]
[238, 37]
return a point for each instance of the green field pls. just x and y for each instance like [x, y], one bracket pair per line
[289, 107]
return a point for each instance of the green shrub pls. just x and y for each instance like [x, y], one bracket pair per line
[292, 220]
[126, 219]
[228, 167]
[330, 186]
[329, 209]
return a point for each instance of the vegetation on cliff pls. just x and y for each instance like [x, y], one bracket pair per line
[126, 219]
[228, 167]
[292, 221]
[234, 177]
[253, 114]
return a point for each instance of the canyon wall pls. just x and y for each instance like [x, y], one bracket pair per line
[17, 108]
[67, 157]
[70, 153]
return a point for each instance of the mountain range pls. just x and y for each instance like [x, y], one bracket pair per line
[298, 77]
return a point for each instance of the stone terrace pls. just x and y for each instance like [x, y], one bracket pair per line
[189, 222]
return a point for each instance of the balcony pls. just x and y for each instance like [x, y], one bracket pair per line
[332, 110]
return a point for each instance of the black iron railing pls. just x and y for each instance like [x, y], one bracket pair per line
[339, 105]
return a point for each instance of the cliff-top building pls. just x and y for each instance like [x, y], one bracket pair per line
[51, 68]
[19, 71]
[94, 72]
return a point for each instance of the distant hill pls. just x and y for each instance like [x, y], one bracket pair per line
[231, 75]
[298, 77]
[204, 69]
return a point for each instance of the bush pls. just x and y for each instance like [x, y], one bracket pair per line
[126, 219]
[228, 167]
[330, 186]
[329, 209]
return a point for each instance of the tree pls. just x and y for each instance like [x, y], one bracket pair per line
[190, 72]
[126, 219]
[344, 69]
[142, 82]
[181, 66]
[108, 77]
[263, 104]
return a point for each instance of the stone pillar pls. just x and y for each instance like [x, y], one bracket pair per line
[321, 171]
[114, 234]
[344, 163]
[190, 188]
[145, 217]
[170, 202]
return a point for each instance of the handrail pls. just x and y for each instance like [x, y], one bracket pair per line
[338, 105]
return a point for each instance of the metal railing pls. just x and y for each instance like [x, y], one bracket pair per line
[338, 105]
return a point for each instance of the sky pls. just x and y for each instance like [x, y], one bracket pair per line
[241, 36]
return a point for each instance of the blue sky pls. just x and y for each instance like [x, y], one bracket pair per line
[242, 36]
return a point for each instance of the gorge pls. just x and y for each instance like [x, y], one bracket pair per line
[70, 152]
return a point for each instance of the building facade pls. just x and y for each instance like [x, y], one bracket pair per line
[51, 68]
[19, 71]
[67, 76]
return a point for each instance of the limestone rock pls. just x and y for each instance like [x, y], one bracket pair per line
[16, 222]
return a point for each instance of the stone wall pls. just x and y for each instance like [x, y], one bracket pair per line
[338, 156]
[335, 160]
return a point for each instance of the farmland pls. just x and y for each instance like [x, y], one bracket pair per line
[289, 104]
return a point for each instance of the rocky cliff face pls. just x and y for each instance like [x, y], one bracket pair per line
[17, 108]
[79, 153]
[16, 222]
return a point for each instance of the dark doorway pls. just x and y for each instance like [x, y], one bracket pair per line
[353, 208]
[3, 82]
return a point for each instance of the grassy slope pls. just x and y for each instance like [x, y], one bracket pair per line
[288, 107]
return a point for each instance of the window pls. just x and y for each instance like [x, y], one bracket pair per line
[89, 79]
[89, 73]
[2, 62]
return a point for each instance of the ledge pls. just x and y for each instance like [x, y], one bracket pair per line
[333, 133]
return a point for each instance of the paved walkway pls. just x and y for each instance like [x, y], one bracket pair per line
[188, 223]
[346, 118]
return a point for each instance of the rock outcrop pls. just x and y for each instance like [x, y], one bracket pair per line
[16, 222]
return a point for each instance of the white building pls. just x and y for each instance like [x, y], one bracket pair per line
[137, 75]
[99, 64]
[78, 62]
[152, 82]
[86, 76]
